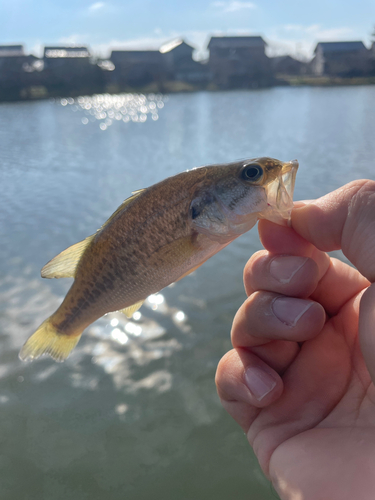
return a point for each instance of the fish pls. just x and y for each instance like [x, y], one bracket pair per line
[156, 237]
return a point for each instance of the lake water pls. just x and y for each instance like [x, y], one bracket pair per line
[133, 413]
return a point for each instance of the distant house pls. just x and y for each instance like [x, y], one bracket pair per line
[70, 70]
[12, 58]
[239, 61]
[137, 67]
[17, 71]
[180, 65]
[372, 59]
[287, 65]
[12, 61]
[342, 59]
[66, 60]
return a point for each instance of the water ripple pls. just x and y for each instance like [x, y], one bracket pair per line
[108, 109]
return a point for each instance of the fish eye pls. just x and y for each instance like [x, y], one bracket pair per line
[252, 172]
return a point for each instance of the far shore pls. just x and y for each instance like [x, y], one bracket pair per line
[41, 92]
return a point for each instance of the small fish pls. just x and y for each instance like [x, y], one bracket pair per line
[158, 236]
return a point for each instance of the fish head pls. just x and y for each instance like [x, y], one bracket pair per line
[234, 196]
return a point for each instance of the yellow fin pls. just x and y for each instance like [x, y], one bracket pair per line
[65, 264]
[134, 195]
[47, 340]
[129, 311]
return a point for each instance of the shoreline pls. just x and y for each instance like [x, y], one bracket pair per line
[36, 93]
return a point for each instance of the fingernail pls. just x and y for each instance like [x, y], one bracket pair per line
[289, 310]
[283, 268]
[259, 382]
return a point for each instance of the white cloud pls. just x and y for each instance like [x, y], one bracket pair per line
[313, 28]
[74, 39]
[293, 27]
[300, 40]
[296, 40]
[300, 49]
[96, 6]
[232, 6]
[317, 32]
[333, 33]
[37, 48]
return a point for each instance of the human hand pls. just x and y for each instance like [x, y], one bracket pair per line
[300, 379]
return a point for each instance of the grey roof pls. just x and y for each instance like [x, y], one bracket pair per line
[167, 47]
[73, 51]
[11, 50]
[144, 55]
[236, 41]
[283, 58]
[340, 46]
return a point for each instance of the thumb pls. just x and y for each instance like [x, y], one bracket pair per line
[345, 219]
[367, 329]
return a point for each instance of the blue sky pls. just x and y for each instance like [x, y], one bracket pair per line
[288, 26]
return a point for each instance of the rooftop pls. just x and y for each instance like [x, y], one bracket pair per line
[11, 50]
[137, 54]
[236, 41]
[340, 46]
[73, 51]
[167, 47]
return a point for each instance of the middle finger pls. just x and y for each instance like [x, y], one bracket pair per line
[291, 275]
[267, 316]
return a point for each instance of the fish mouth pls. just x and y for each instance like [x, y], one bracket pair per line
[280, 194]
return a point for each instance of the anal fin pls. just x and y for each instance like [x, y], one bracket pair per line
[129, 311]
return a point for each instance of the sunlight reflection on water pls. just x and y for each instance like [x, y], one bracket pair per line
[109, 109]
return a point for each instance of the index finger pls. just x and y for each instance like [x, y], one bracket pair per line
[337, 282]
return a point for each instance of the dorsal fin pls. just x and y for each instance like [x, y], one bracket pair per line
[129, 311]
[137, 192]
[126, 202]
[65, 264]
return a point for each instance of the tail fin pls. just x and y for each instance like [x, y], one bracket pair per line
[47, 340]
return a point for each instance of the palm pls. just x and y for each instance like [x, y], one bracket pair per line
[327, 374]
[326, 431]
[300, 377]
[320, 386]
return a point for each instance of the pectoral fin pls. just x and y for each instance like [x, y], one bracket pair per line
[129, 311]
[65, 264]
